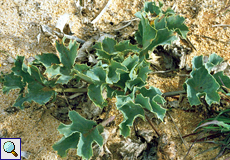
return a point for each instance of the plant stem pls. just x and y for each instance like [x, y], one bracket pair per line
[174, 93]
[152, 125]
[76, 90]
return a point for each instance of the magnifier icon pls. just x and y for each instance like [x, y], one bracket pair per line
[9, 147]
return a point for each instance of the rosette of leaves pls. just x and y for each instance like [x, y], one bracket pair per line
[116, 73]
[158, 27]
[203, 83]
[125, 75]
[120, 74]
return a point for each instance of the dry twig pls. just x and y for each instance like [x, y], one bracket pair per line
[151, 124]
[210, 38]
[102, 12]
[178, 131]
[221, 25]
[128, 23]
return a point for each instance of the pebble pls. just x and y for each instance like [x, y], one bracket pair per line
[25, 154]
[30, 59]
[10, 60]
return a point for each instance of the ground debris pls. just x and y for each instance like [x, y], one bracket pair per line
[132, 148]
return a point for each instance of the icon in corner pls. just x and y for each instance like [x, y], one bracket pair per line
[9, 147]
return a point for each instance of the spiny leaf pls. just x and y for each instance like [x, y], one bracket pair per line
[64, 144]
[122, 99]
[222, 79]
[197, 62]
[138, 82]
[20, 69]
[146, 33]
[36, 92]
[152, 8]
[154, 98]
[12, 81]
[103, 55]
[83, 132]
[160, 23]
[132, 106]
[95, 94]
[47, 59]
[63, 73]
[125, 47]
[81, 70]
[163, 37]
[114, 71]
[130, 62]
[53, 71]
[113, 92]
[67, 55]
[108, 45]
[143, 70]
[130, 112]
[213, 60]
[176, 22]
[144, 102]
[99, 72]
[123, 78]
[202, 84]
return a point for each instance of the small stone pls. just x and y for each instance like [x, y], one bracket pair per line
[10, 60]
[25, 154]
[30, 59]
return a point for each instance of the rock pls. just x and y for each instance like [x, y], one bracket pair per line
[166, 148]
[10, 60]
[30, 59]
[132, 149]
[25, 154]
[146, 134]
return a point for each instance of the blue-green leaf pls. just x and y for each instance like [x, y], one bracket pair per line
[176, 22]
[213, 60]
[12, 81]
[64, 144]
[200, 84]
[130, 112]
[222, 79]
[146, 33]
[80, 134]
[95, 94]
[47, 59]
[36, 92]
[67, 55]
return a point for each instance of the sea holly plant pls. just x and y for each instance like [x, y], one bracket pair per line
[121, 72]
[158, 27]
[203, 83]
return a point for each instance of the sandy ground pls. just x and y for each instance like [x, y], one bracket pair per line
[20, 22]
